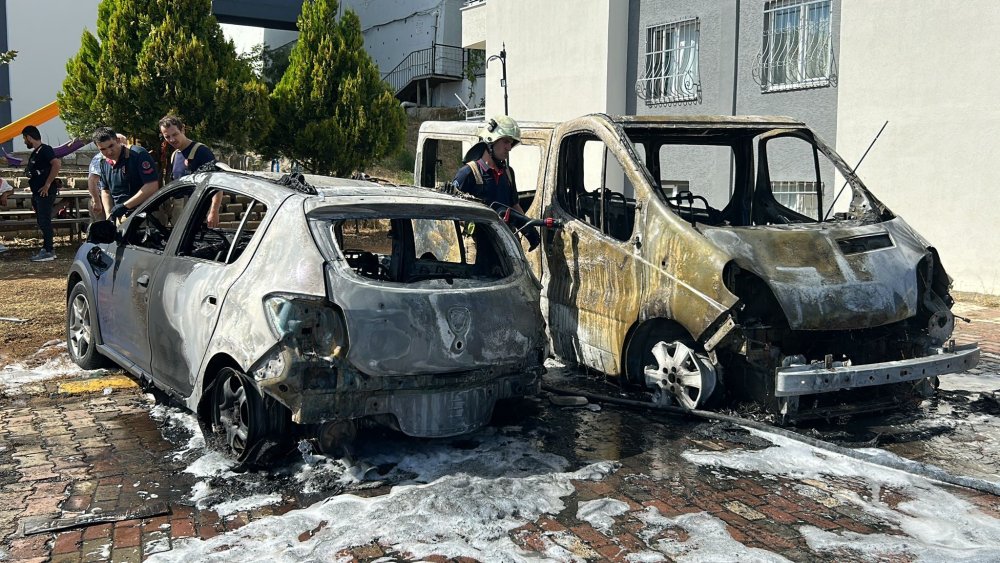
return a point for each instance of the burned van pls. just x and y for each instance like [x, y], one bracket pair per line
[718, 259]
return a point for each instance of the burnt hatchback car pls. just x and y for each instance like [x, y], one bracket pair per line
[725, 260]
[312, 307]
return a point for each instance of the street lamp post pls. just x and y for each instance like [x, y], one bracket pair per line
[503, 66]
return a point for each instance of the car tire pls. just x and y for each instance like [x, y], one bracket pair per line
[252, 427]
[80, 338]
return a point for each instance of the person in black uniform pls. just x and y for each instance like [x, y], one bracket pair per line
[128, 174]
[42, 169]
[486, 174]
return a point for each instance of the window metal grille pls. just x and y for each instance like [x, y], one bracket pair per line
[798, 47]
[671, 73]
[798, 196]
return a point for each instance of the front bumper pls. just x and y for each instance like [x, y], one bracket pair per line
[816, 378]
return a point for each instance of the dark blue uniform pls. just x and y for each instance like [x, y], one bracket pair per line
[133, 169]
[496, 184]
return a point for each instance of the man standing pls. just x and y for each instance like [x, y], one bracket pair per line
[128, 174]
[188, 158]
[42, 169]
[486, 174]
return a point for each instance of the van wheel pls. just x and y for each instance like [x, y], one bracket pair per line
[253, 426]
[80, 339]
[680, 374]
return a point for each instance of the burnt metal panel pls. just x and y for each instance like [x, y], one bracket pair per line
[820, 287]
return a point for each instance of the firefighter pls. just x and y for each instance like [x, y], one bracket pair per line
[486, 173]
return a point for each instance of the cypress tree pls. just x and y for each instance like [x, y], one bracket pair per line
[332, 110]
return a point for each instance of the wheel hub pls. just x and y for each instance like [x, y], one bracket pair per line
[234, 414]
[79, 329]
[680, 375]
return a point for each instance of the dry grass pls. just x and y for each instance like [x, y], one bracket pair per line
[34, 292]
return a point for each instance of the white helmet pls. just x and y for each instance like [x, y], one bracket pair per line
[499, 127]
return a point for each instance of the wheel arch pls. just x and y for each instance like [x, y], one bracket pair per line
[209, 377]
[638, 339]
[75, 277]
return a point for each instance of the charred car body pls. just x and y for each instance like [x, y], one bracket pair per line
[318, 304]
[711, 257]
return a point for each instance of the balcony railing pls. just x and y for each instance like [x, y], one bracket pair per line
[436, 60]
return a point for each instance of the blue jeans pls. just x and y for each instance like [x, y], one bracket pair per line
[43, 214]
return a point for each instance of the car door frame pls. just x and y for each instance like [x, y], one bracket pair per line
[590, 312]
[191, 293]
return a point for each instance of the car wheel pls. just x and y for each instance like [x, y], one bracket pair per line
[680, 374]
[254, 427]
[80, 340]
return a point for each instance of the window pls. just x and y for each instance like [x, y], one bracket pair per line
[418, 249]
[793, 172]
[154, 223]
[801, 197]
[797, 51]
[593, 187]
[671, 73]
[239, 216]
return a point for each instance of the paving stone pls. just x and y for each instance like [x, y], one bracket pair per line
[73, 557]
[98, 531]
[68, 542]
[126, 555]
[29, 548]
[96, 550]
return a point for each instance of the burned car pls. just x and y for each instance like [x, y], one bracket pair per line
[311, 307]
[723, 260]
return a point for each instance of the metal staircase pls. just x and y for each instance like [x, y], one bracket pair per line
[420, 71]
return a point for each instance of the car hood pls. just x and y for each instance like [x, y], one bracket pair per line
[832, 276]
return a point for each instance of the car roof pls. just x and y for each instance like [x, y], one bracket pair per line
[326, 190]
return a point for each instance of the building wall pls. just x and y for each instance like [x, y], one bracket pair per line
[926, 68]
[565, 58]
[44, 44]
[730, 41]
[395, 28]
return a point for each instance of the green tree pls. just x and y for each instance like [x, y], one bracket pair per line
[332, 110]
[153, 57]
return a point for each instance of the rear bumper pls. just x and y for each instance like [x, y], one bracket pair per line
[422, 406]
[816, 378]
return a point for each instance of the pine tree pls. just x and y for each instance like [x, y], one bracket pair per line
[153, 57]
[332, 110]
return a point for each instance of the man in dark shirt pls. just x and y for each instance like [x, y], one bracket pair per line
[188, 158]
[42, 169]
[486, 174]
[128, 174]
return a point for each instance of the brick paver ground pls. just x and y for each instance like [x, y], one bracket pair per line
[67, 454]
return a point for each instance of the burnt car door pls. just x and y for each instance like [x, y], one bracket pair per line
[593, 264]
[123, 294]
[193, 281]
